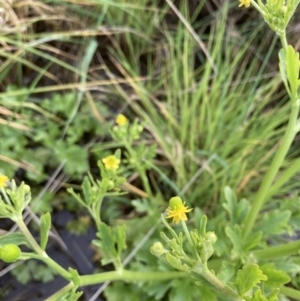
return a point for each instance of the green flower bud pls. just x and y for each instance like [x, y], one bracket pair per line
[211, 237]
[157, 249]
[26, 189]
[111, 184]
[175, 202]
[10, 253]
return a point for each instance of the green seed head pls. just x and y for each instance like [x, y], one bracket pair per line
[10, 253]
[175, 202]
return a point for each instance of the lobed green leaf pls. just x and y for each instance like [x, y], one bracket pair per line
[248, 277]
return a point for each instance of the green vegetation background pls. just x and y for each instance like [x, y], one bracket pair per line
[202, 79]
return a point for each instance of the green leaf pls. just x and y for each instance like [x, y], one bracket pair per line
[273, 296]
[141, 205]
[43, 273]
[112, 242]
[60, 103]
[45, 228]
[75, 276]
[275, 222]
[23, 273]
[87, 190]
[236, 210]
[235, 235]
[186, 290]
[276, 278]
[175, 262]
[13, 238]
[74, 156]
[258, 296]
[292, 69]
[248, 277]
[158, 290]
[120, 291]
[282, 68]
[227, 271]
[252, 241]
[32, 270]
[71, 296]
[231, 201]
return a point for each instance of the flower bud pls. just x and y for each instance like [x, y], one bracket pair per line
[157, 249]
[10, 253]
[175, 202]
[111, 184]
[26, 189]
[211, 237]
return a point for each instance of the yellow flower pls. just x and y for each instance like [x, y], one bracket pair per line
[177, 210]
[3, 180]
[121, 120]
[245, 3]
[111, 162]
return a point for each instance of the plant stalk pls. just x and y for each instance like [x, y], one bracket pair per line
[61, 292]
[288, 249]
[263, 191]
[289, 135]
[290, 292]
[216, 282]
[50, 262]
[126, 275]
[35, 246]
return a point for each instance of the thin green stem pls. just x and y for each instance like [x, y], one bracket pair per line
[55, 266]
[35, 246]
[290, 292]
[61, 292]
[291, 248]
[216, 282]
[50, 262]
[283, 41]
[4, 194]
[126, 275]
[187, 233]
[96, 213]
[287, 140]
[258, 8]
[284, 177]
[139, 168]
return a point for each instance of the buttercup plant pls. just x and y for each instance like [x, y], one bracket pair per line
[190, 251]
[110, 241]
[256, 277]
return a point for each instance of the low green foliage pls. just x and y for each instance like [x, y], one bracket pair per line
[32, 270]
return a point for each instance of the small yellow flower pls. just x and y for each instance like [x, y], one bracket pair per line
[3, 180]
[111, 162]
[121, 120]
[245, 3]
[177, 210]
